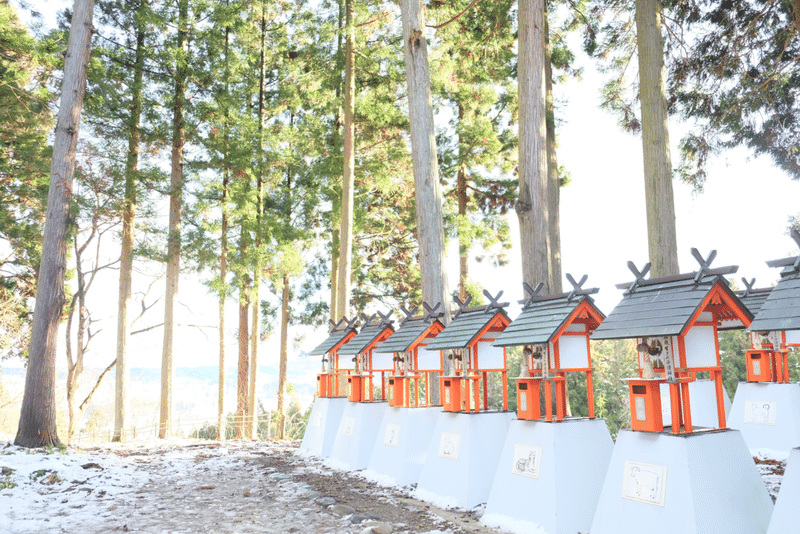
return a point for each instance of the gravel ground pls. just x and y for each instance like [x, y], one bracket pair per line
[185, 487]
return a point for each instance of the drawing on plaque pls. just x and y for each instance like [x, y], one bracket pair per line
[526, 460]
[349, 426]
[644, 483]
[760, 412]
[392, 435]
[317, 420]
[449, 444]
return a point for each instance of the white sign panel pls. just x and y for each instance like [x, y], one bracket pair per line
[449, 445]
[526, 460]
[701, 347]
[644, 483]
[489, 356]
[760, 412]
[573, 352]
[429, 360]
[392, 435]
[349, 426]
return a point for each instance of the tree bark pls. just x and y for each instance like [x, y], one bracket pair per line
[244, 357]
[283, 358]
[223, 253]
[553, 180]
[348, 177]
[427, 189]
[174, 236]
[463, 200]
[252, 408]
[37, 422]
[659, 200]
[428, 194]
[532, 206]
[121, 405]
[335, 315]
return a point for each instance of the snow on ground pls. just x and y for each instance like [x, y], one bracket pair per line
[188, 486]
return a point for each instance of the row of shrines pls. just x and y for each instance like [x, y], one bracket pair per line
[686, 465]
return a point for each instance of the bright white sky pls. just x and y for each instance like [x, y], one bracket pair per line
[743, 214]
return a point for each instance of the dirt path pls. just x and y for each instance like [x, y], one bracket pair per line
[244, 487]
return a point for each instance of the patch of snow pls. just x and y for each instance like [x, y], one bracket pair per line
[516, 526]
[448, 502]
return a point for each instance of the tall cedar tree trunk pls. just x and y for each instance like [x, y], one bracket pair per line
[336, 213]
[37, 421]
[174, 236]
[252, 408]
[281, 423]
[335, 316]
[121, 404]
[244, 359]
[428, 194]
[223, 253]
[553, 181]
[659, 201]
[75, 365]
[223, 275]
[463, 201]
[532, 206]
[348, 177]
[283, 359]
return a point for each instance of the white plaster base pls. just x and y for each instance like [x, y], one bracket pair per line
[462, 458]
[703, 401]
[699, 483]
[322, 427]
[784, 518]
[778, 430]
[355, 437]
[557, 492]
[402, 445]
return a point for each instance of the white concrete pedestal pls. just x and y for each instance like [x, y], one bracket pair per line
[402, 445]
[322, 426]
[462, 458]
[703, 400]
[767, 414]
[549, 476]
[784, 518]
[701, 483]
[356, 435]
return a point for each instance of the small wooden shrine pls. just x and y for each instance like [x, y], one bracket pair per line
[363, 366]
[674, 320]
[766, 408]
[330, 382]
[554, 329]
[553, 463]
[329, 405]
[469, 340]
[684, 478]
[404, 436]
[411, 359]
[468, 437]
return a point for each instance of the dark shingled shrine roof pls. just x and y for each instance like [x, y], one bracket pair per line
[463, 330]
[754, 299]
[540, 320]
[781, 310]
[405, 337]
[660, 307]
[337, 334]
[369, 333]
